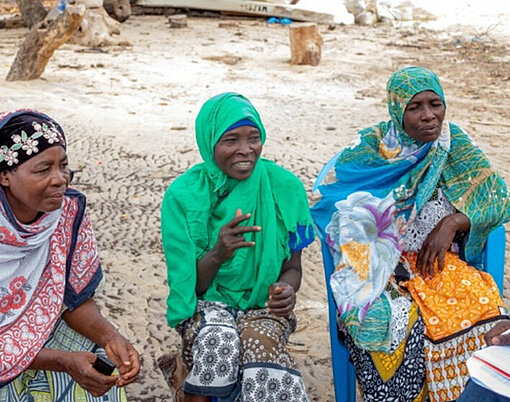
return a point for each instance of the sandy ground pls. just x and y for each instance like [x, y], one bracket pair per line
[129, 114]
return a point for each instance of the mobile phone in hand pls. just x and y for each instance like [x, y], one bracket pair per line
[103, 365]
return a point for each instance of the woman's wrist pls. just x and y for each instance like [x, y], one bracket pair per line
[215, 257]
[109, 333]
[458, 222]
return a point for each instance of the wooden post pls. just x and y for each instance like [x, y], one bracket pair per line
[178, 21]
[305, 44]
[42, 41]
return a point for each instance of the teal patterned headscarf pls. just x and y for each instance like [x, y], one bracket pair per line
[377, 185]
[401, 88]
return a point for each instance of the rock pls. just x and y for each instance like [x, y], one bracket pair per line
[96, 29]
[118, 9]
[366, 18]
[178, 21]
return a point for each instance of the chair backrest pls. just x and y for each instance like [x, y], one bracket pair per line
[494, 256]
[344, 376]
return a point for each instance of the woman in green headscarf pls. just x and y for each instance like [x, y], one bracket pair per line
[394, 207]
[233, 228]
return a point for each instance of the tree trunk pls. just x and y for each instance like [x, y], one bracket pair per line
[42, 41]
[305, 44]
[32, 11]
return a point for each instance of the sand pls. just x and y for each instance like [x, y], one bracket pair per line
[129, 114]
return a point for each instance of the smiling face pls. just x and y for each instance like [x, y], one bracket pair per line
[237, 151]
[423, 117]
[37, 185]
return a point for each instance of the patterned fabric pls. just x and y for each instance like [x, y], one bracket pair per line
[237, 355]
[373, 189]
[458, 306]
[454, 299]
[46, 265]
[397, 376]
[24, 133]
[203, 199]
[24, 254]
[46, 386]
[445, 360]
[432, 212]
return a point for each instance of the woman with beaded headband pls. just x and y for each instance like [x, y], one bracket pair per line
[394, 206]
[51, 331]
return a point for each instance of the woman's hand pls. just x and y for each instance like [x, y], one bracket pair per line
[79, 366]
[281, 299]
[87, 320]
[231, 237]
[125, 357]
[229, 240]
[496, 335]
[438, 242]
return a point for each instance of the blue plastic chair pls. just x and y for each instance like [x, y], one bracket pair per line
[344, 376]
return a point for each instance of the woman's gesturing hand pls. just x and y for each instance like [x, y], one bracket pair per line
[281, 299]
[79, 366]
[438, 242]
[231, 236]
[125, 357]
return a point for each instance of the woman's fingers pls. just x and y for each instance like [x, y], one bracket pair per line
[242, 244]
[132, 374]
[427, 258]
[431, 259]
[419, 259]
[281, 307]
[119, 356]
[126, 359]
[280, 303]
[495, 335]
[238, 219]
[440, 260]
[281, 299]
[422, 261]
[280, 293]
[90, 379]
[245, 229]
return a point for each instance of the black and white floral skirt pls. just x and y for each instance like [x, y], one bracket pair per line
[236, 355]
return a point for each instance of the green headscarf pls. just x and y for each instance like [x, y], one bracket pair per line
[203, 199]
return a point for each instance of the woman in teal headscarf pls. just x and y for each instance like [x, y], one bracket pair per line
[394, 206]
[233, 228]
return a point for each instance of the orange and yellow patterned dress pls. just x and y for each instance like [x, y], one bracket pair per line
[458, 305]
